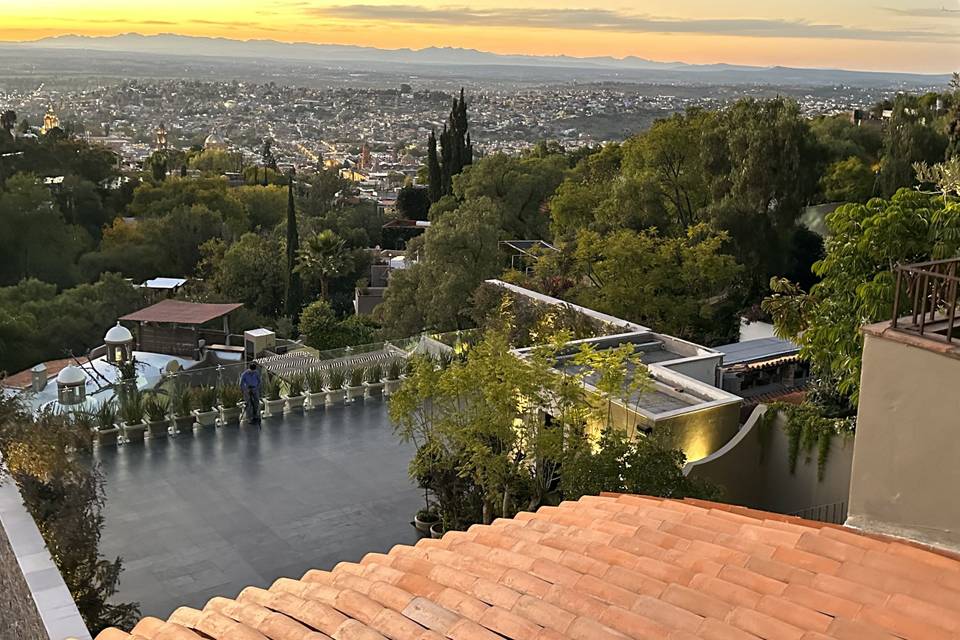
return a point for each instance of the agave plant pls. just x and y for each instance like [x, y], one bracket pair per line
[316, 379]
[356, 376]
[230, 395]
[155, 407]
[271, 388]
[374, 373]
[394, 369]
[295, 385]
[106, 416]
[131, 407]
[335, 378]
[204, 398]
[181, 401]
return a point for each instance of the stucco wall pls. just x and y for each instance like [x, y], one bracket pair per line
[699, 433]
[703, 368]
[905, 470]
[759, 476]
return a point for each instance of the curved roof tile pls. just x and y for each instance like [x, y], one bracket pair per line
[605, 568]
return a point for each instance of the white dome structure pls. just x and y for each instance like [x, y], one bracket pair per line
[71, 385]
[214, 141]
[118, 335]
[71, 375]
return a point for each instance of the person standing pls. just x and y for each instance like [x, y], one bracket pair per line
[250, 385]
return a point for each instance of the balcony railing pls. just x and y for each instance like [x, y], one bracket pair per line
[925, 300]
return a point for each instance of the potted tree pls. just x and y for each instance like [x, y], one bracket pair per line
[205, 405]
[105, 424]
[355, 384]
[426, 518]
[373, 382]
[155, 409]
[336, 378]
[437, 530]
[317, 395]
[392, 382]
[181, 406]
[231, 396]
[271, 396]
[132, 412]
[295, 396]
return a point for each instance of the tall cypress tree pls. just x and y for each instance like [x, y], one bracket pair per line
[293, 295]
[433, 168]
[456, 149]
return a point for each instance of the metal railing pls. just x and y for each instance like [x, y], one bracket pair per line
[925, 298]
[835, 513]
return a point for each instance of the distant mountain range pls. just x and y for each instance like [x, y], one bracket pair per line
[632, 67]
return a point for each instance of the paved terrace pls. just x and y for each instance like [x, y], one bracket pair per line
[194, 517]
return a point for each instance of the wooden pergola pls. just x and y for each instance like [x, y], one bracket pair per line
[175, 327]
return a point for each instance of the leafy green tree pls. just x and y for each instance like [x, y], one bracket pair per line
[64, 494]
[37, 241]
[322, 329]
[909, 138]
[249, 271]
[413, 203]
[578, 200]
[265, 206]
[841, 139]
[8, 120]
[849, 180]
[216, 161]
[456, 150]
[686, 287]
[158, 166]
[434, 179]
[857, 284]
[324, 256]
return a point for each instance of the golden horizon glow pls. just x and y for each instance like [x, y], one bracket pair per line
[917, 36]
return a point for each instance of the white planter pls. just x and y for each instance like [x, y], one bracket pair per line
[183, 424]
[335, 397]
[317, 400]
[206, 418]
[230, 415]
[390, 387]
[158, 429]
[354, 393]
[105, 436]
[134, 432]
[274, 407]
[295, 403]
[374, 389]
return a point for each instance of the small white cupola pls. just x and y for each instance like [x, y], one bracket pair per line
[119, 342]
[71, 385]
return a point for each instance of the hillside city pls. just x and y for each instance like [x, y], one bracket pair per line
[474, 356]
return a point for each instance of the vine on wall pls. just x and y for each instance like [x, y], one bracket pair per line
[806, 429]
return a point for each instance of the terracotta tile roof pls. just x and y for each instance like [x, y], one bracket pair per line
[605, 568]
[24, 379]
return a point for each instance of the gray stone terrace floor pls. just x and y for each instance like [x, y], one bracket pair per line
[204, 515]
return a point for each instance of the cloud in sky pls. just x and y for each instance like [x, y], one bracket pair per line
[927, 12]
[618, 21]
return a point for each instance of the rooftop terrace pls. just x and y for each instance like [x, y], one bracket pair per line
[196, 516]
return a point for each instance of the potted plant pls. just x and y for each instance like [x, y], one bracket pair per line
[181, 405]
[231, 396]
[336, 378]
[105, 428]
[373, 382]
[271, 396]
[205, 405]
[155, 409]
[295, 397]
[317, 394]
[437, 530]
[425, 519]
[355, 384]
[132, 412]
[392, 382]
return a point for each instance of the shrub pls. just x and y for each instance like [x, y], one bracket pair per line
[295, 385]
[374, 373]
[356, 376]
[230, 395]
[204, 398]
[106, 416]
[180, 400]
[155, 407]
[394, 369]
[271, 388]
[316, 379]
[131, 407]
[335, 378]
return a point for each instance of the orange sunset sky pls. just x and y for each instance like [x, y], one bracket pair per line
[896, 35]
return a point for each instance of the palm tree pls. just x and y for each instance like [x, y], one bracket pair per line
[323, 256]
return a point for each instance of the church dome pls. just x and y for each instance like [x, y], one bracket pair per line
[118, 335]
[214, 141]
[71, 375]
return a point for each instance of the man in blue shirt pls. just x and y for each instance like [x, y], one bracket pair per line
[250, 384]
